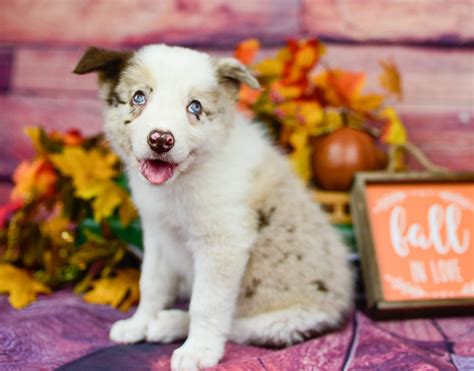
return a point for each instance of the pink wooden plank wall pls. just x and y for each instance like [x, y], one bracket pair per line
[432, 41]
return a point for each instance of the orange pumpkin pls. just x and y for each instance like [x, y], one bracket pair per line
[339, 155]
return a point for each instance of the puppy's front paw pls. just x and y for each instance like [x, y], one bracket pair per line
[194, 356]
[130, 330]
[170, 325]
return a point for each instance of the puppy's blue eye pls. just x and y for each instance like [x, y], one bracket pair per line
[195, 107]
[139, 98]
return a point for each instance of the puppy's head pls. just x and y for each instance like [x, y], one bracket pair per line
[165, 107]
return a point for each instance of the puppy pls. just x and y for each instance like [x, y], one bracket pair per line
[225, 220]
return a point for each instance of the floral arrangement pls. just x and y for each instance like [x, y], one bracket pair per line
[70, 220]
[303, 97]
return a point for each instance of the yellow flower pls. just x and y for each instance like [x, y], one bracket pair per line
[247, 50]
[92, 174]
[394, 131]
[33, 180]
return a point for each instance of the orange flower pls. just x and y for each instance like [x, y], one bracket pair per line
[33, 179]
[303, 56]
[248, 96]
[55, 135]
[280, 91]
[73, 137]
[340, 87]
[247, 50]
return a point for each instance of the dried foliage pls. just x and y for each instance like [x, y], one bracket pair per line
[21, 286]
[120, 291]
[69, 220]
[302, 96]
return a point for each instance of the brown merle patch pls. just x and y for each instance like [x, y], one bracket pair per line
[109, 64]
[264, 218]
[230, 73]
[249, 292]
[320, 285]
[251, 289]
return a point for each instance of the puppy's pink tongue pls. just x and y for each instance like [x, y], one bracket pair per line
[156, 171]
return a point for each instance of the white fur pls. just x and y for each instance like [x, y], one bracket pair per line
[233, 226]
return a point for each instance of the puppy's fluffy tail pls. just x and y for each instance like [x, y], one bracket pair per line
[283, 327]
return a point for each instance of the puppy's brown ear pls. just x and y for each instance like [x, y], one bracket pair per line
[231, 70]
[108, 63]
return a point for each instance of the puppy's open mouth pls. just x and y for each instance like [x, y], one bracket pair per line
[157, 171]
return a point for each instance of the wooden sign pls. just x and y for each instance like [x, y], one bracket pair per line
[415, 234]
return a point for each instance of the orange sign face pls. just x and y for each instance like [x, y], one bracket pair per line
[423, 238]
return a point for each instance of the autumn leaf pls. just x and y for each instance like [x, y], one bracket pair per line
[44, 143]
[390, 79]
[310, 114]
[333, 120]
[300, 157]
[367, 103]
[302, 115]
[341, 88]
[127, 211]
[120, 291]
[34, 133]
[247, 50]
[107, 199]
[33, 179]
[280, 91]
[73, 137]
[394, 131]
[347, 85]
[303, 56]
[107, 196]
[92, 172]
[21, 287]
[287, 112]
[58, 228]
[85, 166]
[270, 67]
[248, 96]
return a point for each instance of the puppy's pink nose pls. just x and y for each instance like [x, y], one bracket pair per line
[160, 141]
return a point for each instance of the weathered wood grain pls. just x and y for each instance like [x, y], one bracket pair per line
[6, 61]
[216, 22]
[430, 76]
[223, 22]
[446, 137]
[49, 72]
[61, 114]
[440, 21]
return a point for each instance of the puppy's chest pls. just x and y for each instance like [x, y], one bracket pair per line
[175, 214]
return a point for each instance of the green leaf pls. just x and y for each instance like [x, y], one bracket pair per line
[122, 181]
[50, 145]
[132, 234]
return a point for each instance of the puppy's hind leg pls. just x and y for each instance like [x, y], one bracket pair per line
[170, 325]
[282, 327]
